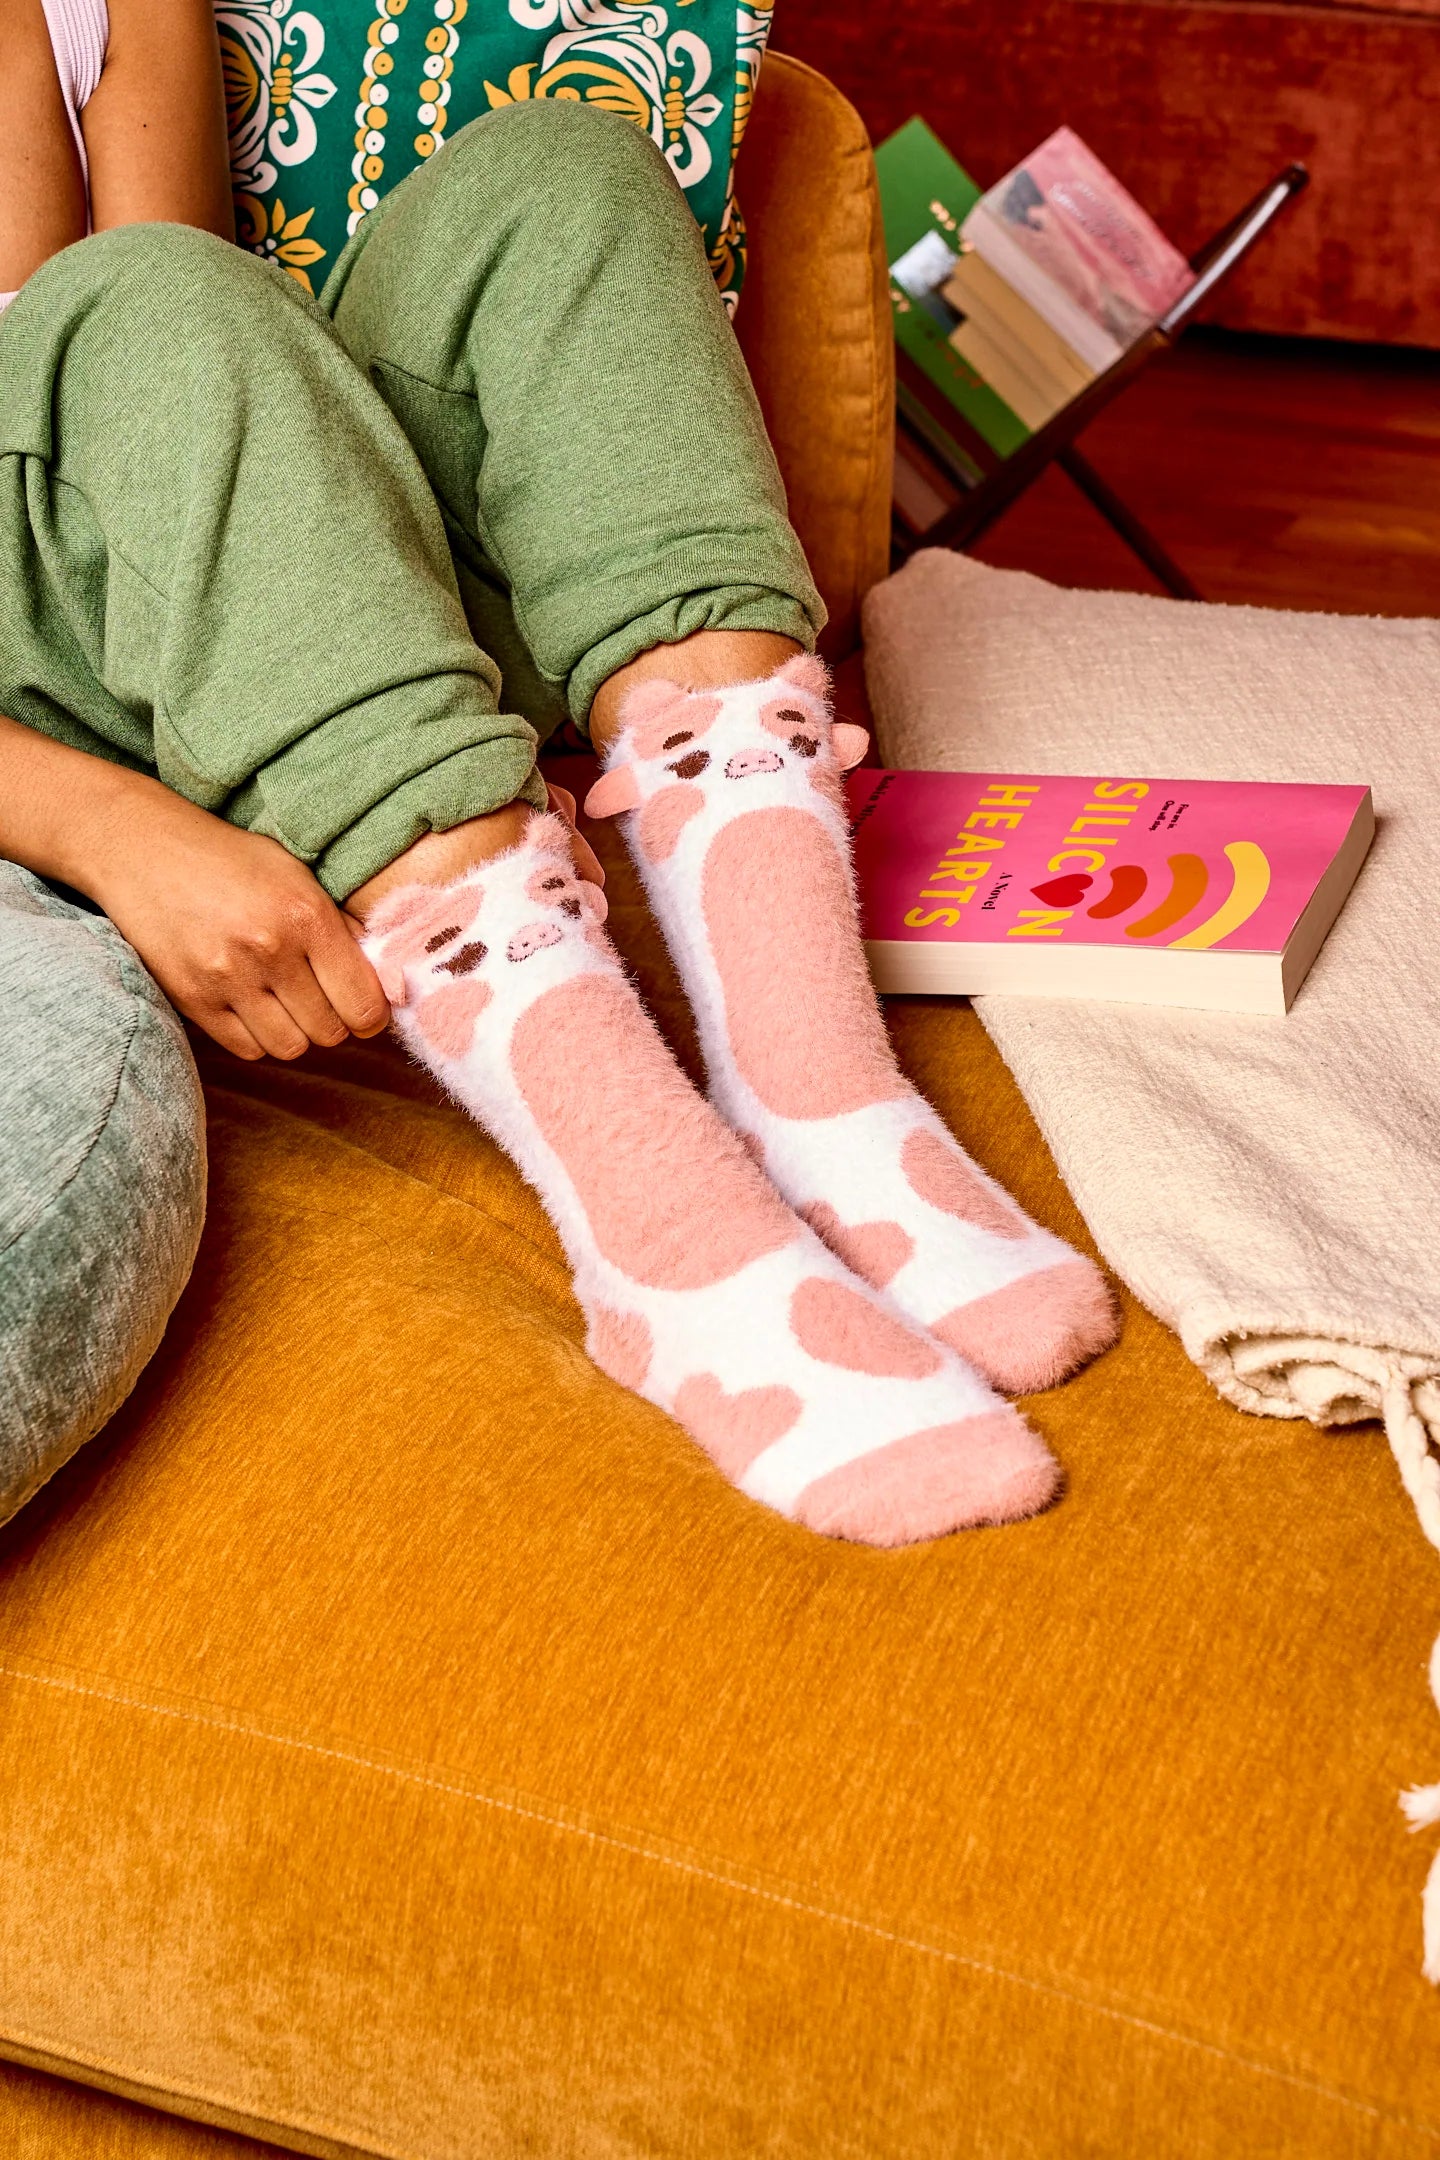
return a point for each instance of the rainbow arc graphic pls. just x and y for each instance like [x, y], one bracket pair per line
[1189, 886]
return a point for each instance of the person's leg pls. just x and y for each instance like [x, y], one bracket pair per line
[535, 307]
[219, 558]
[102, 1176]
[701, 1290]
[734, 813]
[224, 596]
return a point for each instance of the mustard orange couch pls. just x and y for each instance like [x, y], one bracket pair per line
[410, 1746]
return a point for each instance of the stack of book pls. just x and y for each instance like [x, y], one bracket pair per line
[1009, 304]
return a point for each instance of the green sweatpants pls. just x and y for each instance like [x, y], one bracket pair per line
[342, 618]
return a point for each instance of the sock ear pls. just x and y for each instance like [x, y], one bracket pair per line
[808, 672]
[613, 793]
[849, 743]
[547, 834]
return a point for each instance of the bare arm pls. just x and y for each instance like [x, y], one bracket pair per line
[42, 195]
[154, 131]
[237, 933]
[155, 128]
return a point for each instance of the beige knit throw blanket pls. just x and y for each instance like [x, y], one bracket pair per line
[1268, 1187]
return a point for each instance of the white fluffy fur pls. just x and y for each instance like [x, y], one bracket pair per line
[736, 1329]
[849, 1163]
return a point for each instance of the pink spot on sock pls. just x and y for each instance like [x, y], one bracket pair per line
[987, 1469]
[532, 939]
[670, 1195]
[734, 1429]
[805, 1028]
[424, 919]
[839, 1326]
[446, 1018]
[1033, 1332]
[785, 718]
[945, 1179]
[665, 817]
[666, 723]
[876, 1251]
[549, 882]
[746, 762]
[620, 1344]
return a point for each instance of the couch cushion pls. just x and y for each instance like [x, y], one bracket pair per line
[413, 1746]
[306, 161]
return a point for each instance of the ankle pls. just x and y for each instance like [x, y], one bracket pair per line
[709, 660]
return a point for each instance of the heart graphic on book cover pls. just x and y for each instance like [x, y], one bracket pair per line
[1064, 891]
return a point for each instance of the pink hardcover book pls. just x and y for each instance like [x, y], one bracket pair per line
[1076, 244]
[1213, 893]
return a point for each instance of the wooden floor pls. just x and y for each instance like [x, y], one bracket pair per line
[1285, 473]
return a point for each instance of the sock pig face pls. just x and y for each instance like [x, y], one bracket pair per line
[427, 948]
[683, 753]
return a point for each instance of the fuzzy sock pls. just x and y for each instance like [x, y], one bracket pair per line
[734, 812]
[700, 1289]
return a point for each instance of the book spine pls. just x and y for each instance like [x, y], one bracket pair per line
[975, 289]
[1034, 401]
[922, 340]
[994, 245]
[981, 330]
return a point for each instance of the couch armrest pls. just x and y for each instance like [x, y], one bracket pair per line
[814, 325]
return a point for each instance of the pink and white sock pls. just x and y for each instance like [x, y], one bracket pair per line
[701, 1290]
[734, 813]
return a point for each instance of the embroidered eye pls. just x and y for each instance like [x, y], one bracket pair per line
[552, 884]
[691, 766]
[570, 908]
[788, 717]
[804, 745]
[673, 742]
[466, 960]
[442, 937]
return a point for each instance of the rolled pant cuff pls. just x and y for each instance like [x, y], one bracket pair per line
[470, 784]
[732, 607]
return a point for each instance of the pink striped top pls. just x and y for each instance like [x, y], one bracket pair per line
[79, 31]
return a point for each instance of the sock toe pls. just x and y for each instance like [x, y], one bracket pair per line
[1035, 1331]
[987, 1469]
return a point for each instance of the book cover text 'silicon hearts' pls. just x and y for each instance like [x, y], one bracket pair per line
[1186, 892]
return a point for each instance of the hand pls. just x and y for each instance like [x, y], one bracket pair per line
[241, 937]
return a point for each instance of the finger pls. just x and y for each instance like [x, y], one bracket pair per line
[347, 978]
[272, 1027]
[230, 1031]
[587, 862]
[300, 993]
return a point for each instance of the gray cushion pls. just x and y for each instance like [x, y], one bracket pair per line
[102, 1176]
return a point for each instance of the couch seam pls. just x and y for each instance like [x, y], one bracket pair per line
[755, 1890]
[261, 2125]
[561, 1278]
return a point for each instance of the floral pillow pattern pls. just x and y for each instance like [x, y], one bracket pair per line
[329, 105]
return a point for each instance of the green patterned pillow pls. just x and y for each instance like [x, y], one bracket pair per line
[330, 105]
